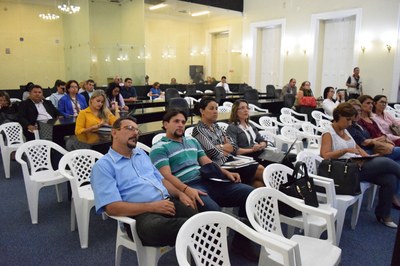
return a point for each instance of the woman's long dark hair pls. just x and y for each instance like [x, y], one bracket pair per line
[376, 100]
[110, 89]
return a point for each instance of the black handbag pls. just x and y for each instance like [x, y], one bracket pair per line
[299, 187]
[344, 172]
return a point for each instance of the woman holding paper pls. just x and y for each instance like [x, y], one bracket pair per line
[96, 115]
[219, 146]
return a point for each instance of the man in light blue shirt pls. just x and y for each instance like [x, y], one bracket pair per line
[125, 183]
[55, 97]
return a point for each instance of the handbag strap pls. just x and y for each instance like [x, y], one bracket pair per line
[297, 170]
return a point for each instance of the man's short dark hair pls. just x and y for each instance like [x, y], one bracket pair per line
[60, 83]
[35, 87]
[126, 79]
[117, 123]
[223, 77]
[173, 112]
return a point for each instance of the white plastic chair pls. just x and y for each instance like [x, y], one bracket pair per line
[157, 137]
[276, 174]
[318, 116]
[10, 139]
[228, 104]
[224, 109]
[396, 106]
[272, 138]
[206, 91]
[342, 201]
[313, 135]
[270, 123]
[289, 111]
[40, 172]
[191, 101]
[77, 167]
[255, 108]
[143, 146]
[189, 131]
[290, 134]
[204, 237]
[15, 100]
[324, 124]
[289, 120]
[263, 214]
[223, 125]
[146, 255]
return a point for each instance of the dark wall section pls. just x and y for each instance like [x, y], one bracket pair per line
[236, 5]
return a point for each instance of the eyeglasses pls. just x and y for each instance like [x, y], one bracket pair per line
[130, 128]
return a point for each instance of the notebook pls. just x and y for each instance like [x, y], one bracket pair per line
[277, 157]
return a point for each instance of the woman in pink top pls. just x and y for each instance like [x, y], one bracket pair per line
[384, 119]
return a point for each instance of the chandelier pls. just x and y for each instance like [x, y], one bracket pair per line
[68, 8]
[49, 16]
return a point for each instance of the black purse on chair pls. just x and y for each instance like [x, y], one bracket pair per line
[299, 187]
[345, 174]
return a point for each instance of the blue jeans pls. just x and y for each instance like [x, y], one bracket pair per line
[222, 194]
[395, 155]
[384, 172]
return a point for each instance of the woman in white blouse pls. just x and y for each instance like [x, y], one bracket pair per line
[329, 103]
[337, 143]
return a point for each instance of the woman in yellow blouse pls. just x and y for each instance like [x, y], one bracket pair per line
[96, 115]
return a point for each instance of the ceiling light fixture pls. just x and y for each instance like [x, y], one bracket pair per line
[49, 16]
[68, 8]
[158, 6]
[201, 13]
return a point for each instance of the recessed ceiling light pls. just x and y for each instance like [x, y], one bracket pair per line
[201, 13]
[157, 6]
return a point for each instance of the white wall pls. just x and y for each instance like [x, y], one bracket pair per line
[377, 19]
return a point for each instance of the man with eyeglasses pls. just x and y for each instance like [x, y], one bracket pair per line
[125, 183]
[179, 159]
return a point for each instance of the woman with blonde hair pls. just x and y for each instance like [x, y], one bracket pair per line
[96, 115]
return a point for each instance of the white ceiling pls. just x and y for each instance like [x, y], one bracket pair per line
[174, 8]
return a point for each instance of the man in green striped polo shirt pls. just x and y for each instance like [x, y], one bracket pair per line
[179, 158]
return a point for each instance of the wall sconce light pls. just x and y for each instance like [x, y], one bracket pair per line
[305, 51]
[389, 40]
[362, 49]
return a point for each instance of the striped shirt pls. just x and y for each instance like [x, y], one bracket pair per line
[182, 157]
[211, 139]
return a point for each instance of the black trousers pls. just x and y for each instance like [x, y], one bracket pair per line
[158, 230]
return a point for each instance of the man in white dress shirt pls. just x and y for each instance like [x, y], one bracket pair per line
[224, 84]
